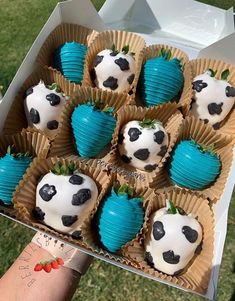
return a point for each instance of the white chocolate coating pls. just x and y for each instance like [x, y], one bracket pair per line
[154, 151]
[214, 94]
[108, 68]
[61, 203]
[47, 112]
[173, 240]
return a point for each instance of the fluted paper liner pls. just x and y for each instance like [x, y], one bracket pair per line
[197, 274]
[24, 199]
[90, 234]
[205, 135]
[199, 66]
[171, 120]
[105, 40]
[64, 143]
[16, 119]
[64, 33]
[186, 94]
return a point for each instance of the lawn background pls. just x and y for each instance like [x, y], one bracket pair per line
[21, 21]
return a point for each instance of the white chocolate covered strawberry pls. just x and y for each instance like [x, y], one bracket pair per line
[213, 98]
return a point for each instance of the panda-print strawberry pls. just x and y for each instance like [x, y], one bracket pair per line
[113, 70]
[63, 201]
[143, 144]
[167, 225]
[213, 98]
[43, 107]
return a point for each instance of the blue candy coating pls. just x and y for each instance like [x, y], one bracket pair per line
[191, 167]
[92, 129]
[119, 220]
[160, 80]
[69, 59]
[12, 170]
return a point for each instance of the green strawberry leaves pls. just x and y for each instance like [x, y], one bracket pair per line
[172, 209]
[212, 72]
[165, 53]
[149, 123]
[225, 74]
[11, 151]
[55, 86]
[63, 169]
[204, 148]
[124, 189]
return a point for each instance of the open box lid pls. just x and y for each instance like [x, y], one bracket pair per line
[186, 24]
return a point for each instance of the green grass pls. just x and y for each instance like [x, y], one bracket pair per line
[103, 282]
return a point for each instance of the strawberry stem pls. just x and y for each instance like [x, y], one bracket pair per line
[124, 189]
[125, 49]
[225, 74]
[149, 123]
[171, 208]
[203, 147]
[212, 72]
[63, 169]
[11, 151]
[54, 86]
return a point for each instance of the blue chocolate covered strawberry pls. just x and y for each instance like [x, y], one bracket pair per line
[12, 168]
[120, 217]
[92, 128]
[161, 79]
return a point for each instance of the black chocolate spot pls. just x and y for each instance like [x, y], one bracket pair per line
[122, 63]
[198, 249]
[159, 137]
[93, 74]
[47, 192]
[170, 257]
[158, 230]
[52, 125]
[126, 159]
[120, 138]
[131, 78]
[205, 121]
[230, 91]
[114, 53]
[77, 234]
[53, 98]
[76, 180]
[111, 83]
[198, 85]
[34, 116]
[38, 214]
[150, 167]
[98, 59]
[134, 134]
[68, 220]
[148, 257]
[29, 91]
[178, 272]
[214, 108]
[216, 126]
[190, 234]
[142, 154]
[81, 197]
[162, 151]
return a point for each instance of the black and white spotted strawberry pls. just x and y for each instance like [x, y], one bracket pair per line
[43, 106]
[114, 71]
[64, 197]
[92, 128]
[142, 144]
[213, 98]
[172, 240]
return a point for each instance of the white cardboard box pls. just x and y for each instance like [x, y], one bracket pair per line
[198, 29]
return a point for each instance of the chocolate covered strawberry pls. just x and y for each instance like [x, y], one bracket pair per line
[92, 128]
[64, 197]
[119, 218]
[161, 79]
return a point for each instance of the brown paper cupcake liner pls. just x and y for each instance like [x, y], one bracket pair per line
[90, 233]
[171, 119]
[199, 66]
[105, 40]
[24, 198]
[64, 33]
[16, 119]
[204, 135]
[197, 274]
[64, 143]
[186, 95]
